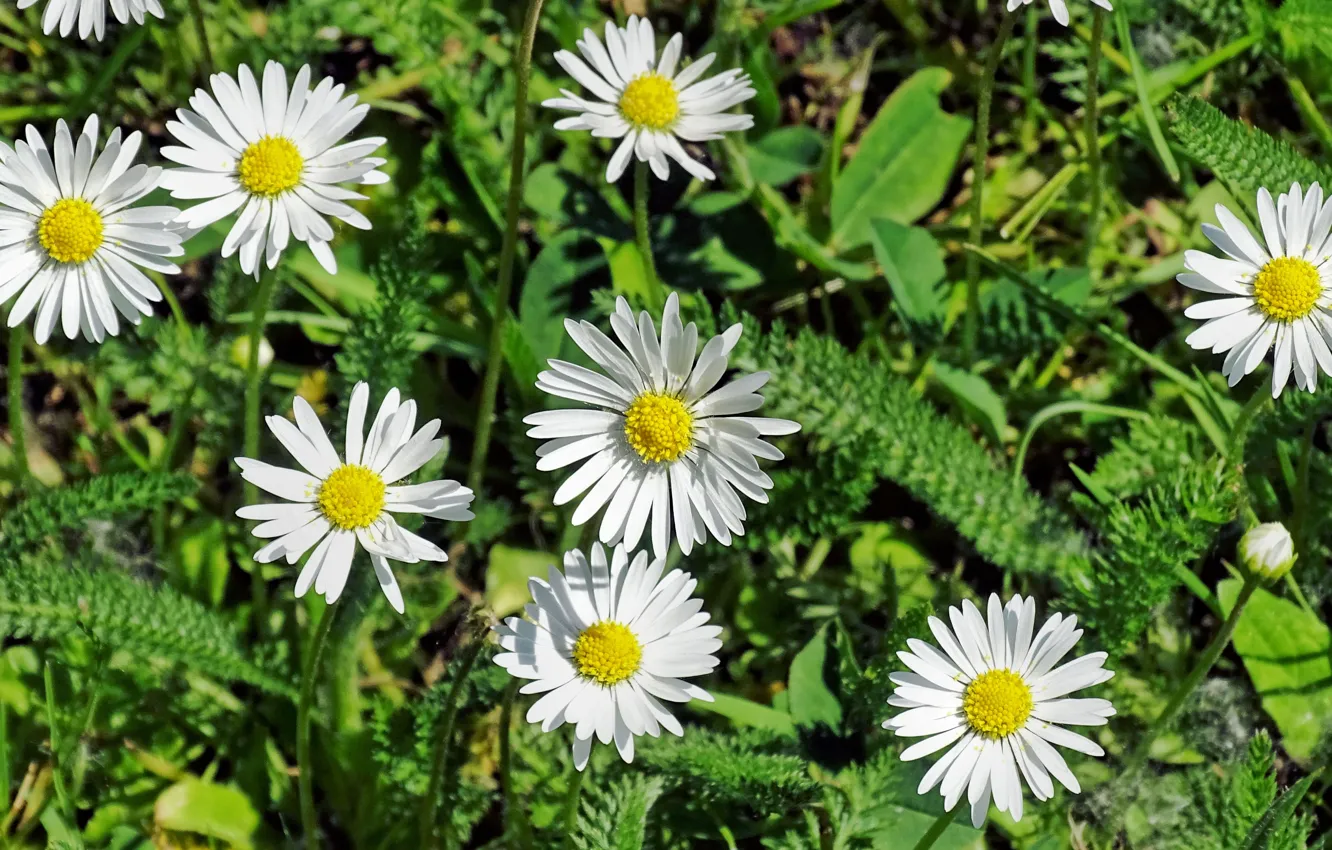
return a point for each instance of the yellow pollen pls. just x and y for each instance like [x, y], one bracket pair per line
[70, 230]
[351, 497]
[607, 653]
[650, 100]
[659, 427]
[997, 703]
[1287, 289]
[271, 166]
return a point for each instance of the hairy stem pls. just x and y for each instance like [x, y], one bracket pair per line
[196, 9]
[971, 321]
[57, 774]
[443, 738]
[571, 798]
[485, 412]
[1092, 129]
[309, 677]
[15, 378]
[643, 238]
[936, 829]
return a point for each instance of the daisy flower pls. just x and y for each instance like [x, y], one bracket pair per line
[643, 101]
[91, 14]
[272, 156]
[335, 502]
[70, 239]
[663, 444]
[1277, 289]
[605, 643]
[1059, 7]
[995, 697]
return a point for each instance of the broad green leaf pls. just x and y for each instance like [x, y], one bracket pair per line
[208, 809]
[544, 301]
[812, 702]
[903, 162]
[507, 575]
[783, 155]
[903, 816]
[975, 396]
[1288, 655]
[743, 712]
[913, 264]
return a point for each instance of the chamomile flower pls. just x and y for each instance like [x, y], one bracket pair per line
[1268, 550]
[1059, 7]
[273, 155]
[606, 642]
[642, 100]
[994, 697]
[91, 14]
[1277, 290]
[337, 501]
[71, 241]
[662, 444]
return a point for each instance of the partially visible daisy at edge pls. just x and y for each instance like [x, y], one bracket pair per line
[1276, 291]
[274, 155]
[606, 643]
[90, 15]
[1059, 7]
[660, 444]
[996, 700]
[643, 100]
[71, 241]
[339, 501]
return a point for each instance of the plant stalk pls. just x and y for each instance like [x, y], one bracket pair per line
[971, 321]
[14, 375]
[571, 798]
[196, 10]
[253, 396]
[485, 412]
[1092, 129]
[643, 237]
[309, 677]
[936, 829]
[443, 738]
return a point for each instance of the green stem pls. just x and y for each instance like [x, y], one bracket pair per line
[508, 250]
[936, 829]
[1058, 409]
[196, 8]
[309, 677]
[443, 739]
[57, 776]
[506, 759]
[1309, 111]
[643, 238]
[15, 380]
[1203, 667]
[1092, 134]
[571, 798]
[253, 396]
[971, 321]
[4, 770]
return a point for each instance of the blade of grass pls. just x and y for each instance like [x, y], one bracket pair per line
[1144, 98]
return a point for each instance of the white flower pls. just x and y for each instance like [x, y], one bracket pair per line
[70, 240]
[91, 14]
[1059, 7]
[337, 502]
[664, 445]
[272, 156]
[1278, 294]
[1268, 550]
[995, 696]
[643, 101]
[605, 643]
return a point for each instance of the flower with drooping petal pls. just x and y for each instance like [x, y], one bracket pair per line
[336, 502]
[1059, 7]
[645, 103]
[71, 241]
[660, 444]
[91, 14]
[1277, 291]
[273, 155]
[994, 697]
[605, 643]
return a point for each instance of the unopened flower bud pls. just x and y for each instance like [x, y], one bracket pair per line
[1267, 550]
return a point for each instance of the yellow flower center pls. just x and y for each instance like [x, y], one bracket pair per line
[70, 230]
[607, 653]
[271, 166]
[997, 703]
[1287, 289]
[352, 497]
[650, 100]
[659, 427]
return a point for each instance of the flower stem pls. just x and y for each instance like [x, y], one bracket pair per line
[14, 376]
[1239, 434]
[1203, 667]
[936, 829]
[309, 676]
[1093, 130]
[571, 798]
[971, 321]
[506, 753]
[253, 395]
[196, 8]
[485, 412]
[57, 774]
[443, 738]
[643, 238]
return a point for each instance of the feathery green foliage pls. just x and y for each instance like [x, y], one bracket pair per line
[747, 768]
[614, 816]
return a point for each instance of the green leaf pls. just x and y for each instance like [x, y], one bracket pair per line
[507, 575]
[903, 163]
[202, 561]
[544, 301]
[977, 398]
[783, 155]
[1278, 815]
[208, 809]
[812, 702]
[1286, 651]
[743, 712]
[913, 264]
